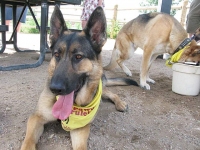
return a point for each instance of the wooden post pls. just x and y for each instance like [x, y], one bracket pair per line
[183, 12]
[114, 20]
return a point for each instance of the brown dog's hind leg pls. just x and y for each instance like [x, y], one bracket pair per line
[124, 68]
[119, 104]
[79, 137]
[125, 50]
[113, 61]
[122, 51]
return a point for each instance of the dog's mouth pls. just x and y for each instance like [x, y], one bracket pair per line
[62, 108]
[79, 86]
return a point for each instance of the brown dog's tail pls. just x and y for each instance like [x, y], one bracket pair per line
[118, 81]
[113, 61]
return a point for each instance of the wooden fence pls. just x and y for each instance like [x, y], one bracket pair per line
[121, 15]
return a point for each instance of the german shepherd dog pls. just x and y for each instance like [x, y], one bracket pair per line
[75, 74]
[155, 33]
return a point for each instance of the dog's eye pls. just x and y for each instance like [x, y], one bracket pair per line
[56, 54]
[78, 56]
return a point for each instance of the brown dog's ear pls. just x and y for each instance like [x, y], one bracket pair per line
[57, 25]
[96, 28]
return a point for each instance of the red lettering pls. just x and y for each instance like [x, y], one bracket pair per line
[85, 113]
[81, 112]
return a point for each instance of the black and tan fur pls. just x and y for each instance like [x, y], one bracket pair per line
[75, 66]
[155, 33]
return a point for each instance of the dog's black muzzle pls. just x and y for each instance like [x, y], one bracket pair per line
[58, 88]
[62, 86]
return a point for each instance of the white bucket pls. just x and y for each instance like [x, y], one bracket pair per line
[186, 79]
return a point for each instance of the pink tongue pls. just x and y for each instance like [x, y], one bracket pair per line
[63, 106]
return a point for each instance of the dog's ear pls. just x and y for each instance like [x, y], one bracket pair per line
[57, 25]
[96, 28]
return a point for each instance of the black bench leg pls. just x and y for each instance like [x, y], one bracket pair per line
[43, 36]
[3, 34]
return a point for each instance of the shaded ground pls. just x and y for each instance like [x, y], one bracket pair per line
[157, 119]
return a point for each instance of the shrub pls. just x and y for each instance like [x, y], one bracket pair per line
[113, 29]
[30, 26]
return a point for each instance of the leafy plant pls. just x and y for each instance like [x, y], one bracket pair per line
[69, 25]
[30, 26]
[29, 29]
[113, 29]
[78, 26]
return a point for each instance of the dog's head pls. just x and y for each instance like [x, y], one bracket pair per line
[76, 56]
[191, 54]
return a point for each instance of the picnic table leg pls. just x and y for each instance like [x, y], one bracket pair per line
[3, 34]
[43, 37]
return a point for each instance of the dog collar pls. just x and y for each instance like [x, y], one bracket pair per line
[81, 116]
[175, 57]
[193, 37]
[182, 45]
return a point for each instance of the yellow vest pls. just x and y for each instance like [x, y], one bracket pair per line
[81, 116]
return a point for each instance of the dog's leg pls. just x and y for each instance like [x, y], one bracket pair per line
[124, 68]
[126, 51]
[79, 137]
[153, 57]
[33, 132]
[118, 58]
[144, 70]
[149, 79]
[35, 125]
[122, 51]
[119, 104]
[113, 61]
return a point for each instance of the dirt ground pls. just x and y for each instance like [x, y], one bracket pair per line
[158, 119]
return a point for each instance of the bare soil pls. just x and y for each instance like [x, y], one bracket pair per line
[158, 119]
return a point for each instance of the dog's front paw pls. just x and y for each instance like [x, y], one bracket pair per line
[128, 73]
[150, 80]
[121, 106]
[145, 86]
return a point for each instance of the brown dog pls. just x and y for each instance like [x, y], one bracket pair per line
[155, 33]
[75, 74]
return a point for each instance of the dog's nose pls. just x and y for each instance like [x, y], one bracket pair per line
[57, 88]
